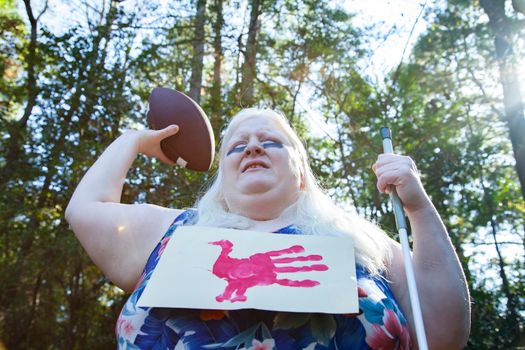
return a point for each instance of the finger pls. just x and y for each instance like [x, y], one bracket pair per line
[386, 158]
[399, 162]
[382, 185]
[383, 160]
[385, 181]
[168, 131]
[165, 160]
[397, 177]
[391, 167]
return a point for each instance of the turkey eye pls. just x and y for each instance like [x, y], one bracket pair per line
[236, 149]
[272, 144]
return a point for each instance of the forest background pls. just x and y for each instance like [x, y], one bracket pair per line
[454, 104]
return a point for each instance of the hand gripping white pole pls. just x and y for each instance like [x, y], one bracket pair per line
[407, 258]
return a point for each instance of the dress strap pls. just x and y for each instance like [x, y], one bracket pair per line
[187, 217]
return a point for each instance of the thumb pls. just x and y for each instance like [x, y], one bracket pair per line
[168, 131]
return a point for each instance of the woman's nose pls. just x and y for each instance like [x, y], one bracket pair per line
[254, 148]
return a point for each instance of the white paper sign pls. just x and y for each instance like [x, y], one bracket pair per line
[224, 269]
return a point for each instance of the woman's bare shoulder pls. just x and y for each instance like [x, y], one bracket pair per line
[123, 233]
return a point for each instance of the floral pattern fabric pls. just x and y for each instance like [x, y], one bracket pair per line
[380, 324]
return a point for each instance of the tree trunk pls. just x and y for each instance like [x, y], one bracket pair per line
[500, 25]
[249, 65]
[198, 52]
[512, 319]
[216, 105]
[512, 328]
[88, 74]
[17, 128]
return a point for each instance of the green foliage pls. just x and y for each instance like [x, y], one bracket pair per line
[12, 32]
[443, 107]
[478, 191]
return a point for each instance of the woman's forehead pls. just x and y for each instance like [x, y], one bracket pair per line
[256, 124]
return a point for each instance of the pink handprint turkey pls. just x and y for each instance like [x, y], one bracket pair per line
[260, 269]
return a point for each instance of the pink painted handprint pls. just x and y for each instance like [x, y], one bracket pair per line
[260, 270]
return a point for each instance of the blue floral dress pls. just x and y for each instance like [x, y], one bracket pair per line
[380, 323]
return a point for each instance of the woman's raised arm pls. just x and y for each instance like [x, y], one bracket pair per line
[119, 237]
[443, 292]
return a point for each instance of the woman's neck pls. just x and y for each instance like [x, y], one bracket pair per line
[286, 218]
[269, 225]
[265, 206]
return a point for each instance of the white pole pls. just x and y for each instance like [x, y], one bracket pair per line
[407, 258]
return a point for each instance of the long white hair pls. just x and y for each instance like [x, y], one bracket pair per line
[315, 212]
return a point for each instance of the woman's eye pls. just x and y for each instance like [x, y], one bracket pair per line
[272, 144]
[265, 144]
[236, 149]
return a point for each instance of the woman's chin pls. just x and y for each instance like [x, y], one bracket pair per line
[255, 183]
[257, 187]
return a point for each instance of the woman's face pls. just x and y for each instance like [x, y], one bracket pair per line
[258, 165]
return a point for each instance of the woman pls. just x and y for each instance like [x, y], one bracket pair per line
[264, 183]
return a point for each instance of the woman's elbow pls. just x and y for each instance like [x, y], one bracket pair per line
[71, 213]
[450, 335]
[464, 332]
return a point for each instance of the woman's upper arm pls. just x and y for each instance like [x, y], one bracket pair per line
[120, 237]
[442, 316]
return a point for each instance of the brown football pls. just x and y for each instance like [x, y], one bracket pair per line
[193, 147]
